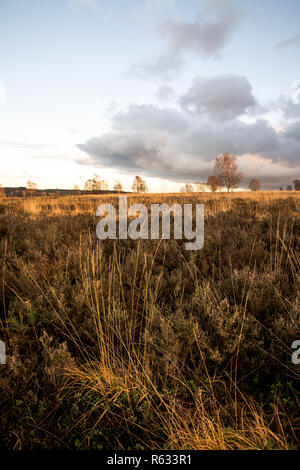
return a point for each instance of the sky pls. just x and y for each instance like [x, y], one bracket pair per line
[157, 88]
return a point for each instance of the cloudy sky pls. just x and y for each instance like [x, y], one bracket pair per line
[151, 87]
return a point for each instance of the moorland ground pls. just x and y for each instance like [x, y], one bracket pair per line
[142, 344]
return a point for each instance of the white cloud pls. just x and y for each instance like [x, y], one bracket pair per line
[296, 91]
[207, 35]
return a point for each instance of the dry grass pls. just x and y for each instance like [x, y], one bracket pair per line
[143, 345]
[74, 205]
[123, 366]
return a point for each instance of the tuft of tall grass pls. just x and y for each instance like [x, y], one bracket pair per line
[184, 416]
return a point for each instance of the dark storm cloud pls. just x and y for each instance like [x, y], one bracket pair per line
[221, 98]
[205, 36]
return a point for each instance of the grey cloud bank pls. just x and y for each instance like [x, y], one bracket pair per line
[290, 109]
[173, 144]
[165, 93]
[221, 98]
[150, 117]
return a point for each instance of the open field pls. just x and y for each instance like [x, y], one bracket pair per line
[142, 344]
[87, 204]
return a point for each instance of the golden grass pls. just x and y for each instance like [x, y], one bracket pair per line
[123, 366]
[84, 204]
[124, 325]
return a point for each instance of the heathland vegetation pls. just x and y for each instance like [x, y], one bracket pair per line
[142, 344]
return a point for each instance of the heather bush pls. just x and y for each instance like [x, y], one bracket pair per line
[126, 344]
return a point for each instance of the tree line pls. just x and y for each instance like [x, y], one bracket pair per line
[225, 174]
[138, 185]
[92, 186]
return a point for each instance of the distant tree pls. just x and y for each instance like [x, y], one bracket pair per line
[296, 185]
[226, 169]
[118, 187]
[93, 184]
[214, 183]
[280, 189]
[199, 187]
[187, 188]
[31, 187]
[103, 185]
[76, 189]
[254, 185]
[2, 191]
[88, 185]
[289, 188]
[139, 185]
[96, 184]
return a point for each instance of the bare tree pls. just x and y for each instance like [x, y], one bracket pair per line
[31, 187]
[254, 185]
[187, 188]
[199, 187]
[139, 185]
[96, 184]
[118, 187]
[88, 185]
[103, 185]
[76, 189]
[93, 184]
[214, 183]
[226, 169]
[296, 185]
